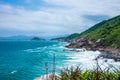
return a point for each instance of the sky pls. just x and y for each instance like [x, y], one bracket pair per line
[53, 17]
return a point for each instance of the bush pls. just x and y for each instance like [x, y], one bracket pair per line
[76, 73]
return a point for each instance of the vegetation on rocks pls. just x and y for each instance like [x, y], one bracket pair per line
[108, 30]
[72, 36]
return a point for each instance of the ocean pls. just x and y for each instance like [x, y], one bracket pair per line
[25, 60]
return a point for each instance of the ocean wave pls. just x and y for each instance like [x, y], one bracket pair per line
[87, 60]
[39, 49]
[13, 72]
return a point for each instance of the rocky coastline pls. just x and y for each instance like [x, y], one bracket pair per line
[112, 53]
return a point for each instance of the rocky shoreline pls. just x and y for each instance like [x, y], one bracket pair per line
[81, 45]
[112, 53]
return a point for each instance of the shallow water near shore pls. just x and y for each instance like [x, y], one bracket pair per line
[25, 60]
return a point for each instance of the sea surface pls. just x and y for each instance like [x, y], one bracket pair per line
[25, 60]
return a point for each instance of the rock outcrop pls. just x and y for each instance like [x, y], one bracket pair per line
[80, 43]
[89, 45]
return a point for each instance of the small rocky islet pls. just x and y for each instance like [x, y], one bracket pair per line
[37, 39]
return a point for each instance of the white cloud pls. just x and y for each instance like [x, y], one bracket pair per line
[94, 6]
[48, 20]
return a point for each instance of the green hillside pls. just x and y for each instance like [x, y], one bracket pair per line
[108, 30]
[72, 36]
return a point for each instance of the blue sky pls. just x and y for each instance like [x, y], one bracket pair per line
[53, 17]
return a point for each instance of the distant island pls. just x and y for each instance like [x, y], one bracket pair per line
[21, 37]
[37, 38]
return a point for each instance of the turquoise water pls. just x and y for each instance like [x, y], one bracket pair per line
[25, 60]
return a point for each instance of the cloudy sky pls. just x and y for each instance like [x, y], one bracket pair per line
[53, 17]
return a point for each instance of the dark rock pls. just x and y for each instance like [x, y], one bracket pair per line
[98, 45]
[80, 43]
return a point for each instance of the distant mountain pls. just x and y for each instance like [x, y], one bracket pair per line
[19, 37]
[108, 30]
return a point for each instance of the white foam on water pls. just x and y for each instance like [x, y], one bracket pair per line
[13, 72]
[87, 60]
[39, 49]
